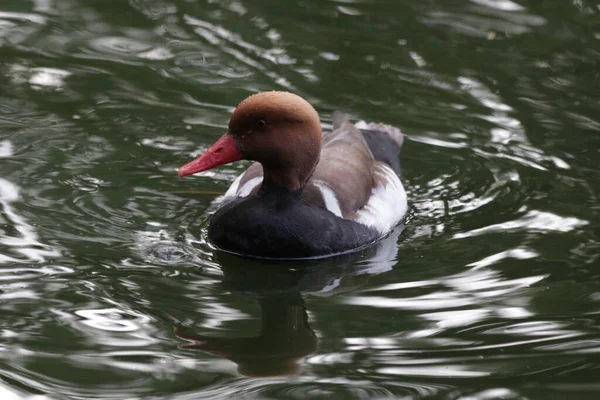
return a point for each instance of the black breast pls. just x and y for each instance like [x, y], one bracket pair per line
[257, 227]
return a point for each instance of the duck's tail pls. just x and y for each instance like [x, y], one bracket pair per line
[339, 118]
[384, 141]
[394, 133]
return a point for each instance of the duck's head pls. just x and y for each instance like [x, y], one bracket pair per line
[280, 130]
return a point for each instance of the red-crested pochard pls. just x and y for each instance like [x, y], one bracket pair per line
[308, 194]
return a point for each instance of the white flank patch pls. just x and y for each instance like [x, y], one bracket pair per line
[331, 202]
[235, 190]
[232, 191]
[385, 208]
[387, 204]
[249, 186]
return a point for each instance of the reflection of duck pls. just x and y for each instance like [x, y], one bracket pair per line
[308, 195]
[285, 336]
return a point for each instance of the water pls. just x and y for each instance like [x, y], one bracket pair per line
[108, 289]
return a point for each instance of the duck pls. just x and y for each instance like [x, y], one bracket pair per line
[307, 194]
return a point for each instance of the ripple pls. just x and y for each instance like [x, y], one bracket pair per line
[489, 291]
[443, 371]
[126, 46]
[9, 393]
[494, 393]
[242, 50]
[113, 326]
[45, 77]
[519, 253]
[119, 45]
[536, 221]
[159, 248]
[9, 192]
[110, 320]
[23, 17]
[162, 365]
[507, 138]
[460, 300]
[18, 236]
[452, 141]
[318, 389]
[505, 5]
[6, 148]
[23, 274]
[487, 16]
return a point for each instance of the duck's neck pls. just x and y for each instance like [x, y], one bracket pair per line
[294, 161]
[285, 179]
[291, 179]
[271, 188]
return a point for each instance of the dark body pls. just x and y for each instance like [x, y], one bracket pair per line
[276, 223]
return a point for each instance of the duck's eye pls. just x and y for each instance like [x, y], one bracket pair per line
[260, 123]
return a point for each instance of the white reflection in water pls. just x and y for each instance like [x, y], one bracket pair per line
[9, 393]
[15, 291]
[508, 136]
[519, 253]
[485, 17]
[393, 343]
[111, 319]
[217, 315]
[371, 342]
[6, 149]
[505, 5]
[550, 329]
[493, 394]
[452, 141]
[112, 326]
[126, 46]
[461, 299]
[574, 347]
[487, 283]
[456, 318]
[472, 201]
[331, 359]
[432, 301]
[383, 260]
[18, 236]
[52, 77]
[37, 19]
[536, 221]
[417, 58]
[349, 10]
[445, 370]
[9, 192]
[21, 274]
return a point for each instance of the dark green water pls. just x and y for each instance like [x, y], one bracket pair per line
[491, 290]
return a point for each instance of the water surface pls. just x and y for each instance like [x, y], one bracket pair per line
[109, 290]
